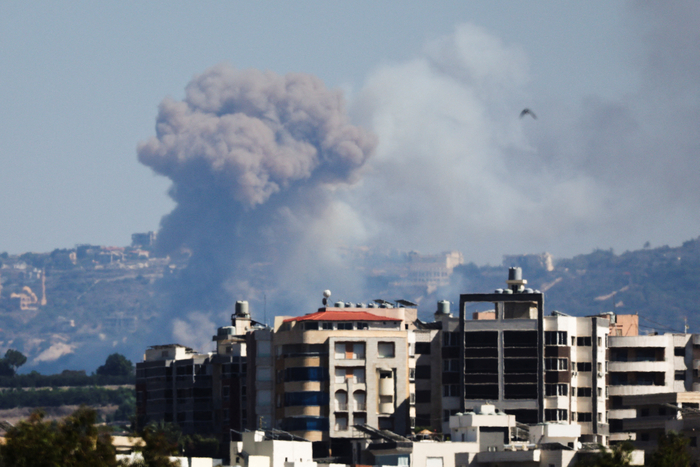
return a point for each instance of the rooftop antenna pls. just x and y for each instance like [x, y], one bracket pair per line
[685, 326]
[265, 308]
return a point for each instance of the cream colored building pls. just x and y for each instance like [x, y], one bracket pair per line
[344, 366]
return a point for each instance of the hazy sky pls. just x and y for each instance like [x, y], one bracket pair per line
[611, 161]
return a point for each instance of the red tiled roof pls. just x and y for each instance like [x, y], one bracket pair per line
[341, 316]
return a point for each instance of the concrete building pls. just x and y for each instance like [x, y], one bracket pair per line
[271, 448]
[661, 413]
[350, 365]
[208, 393]
[536, 367]
[650, 364]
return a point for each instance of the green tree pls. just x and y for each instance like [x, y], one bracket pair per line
[161, 442]
[116, 365]
[671, 451]
[619, 456]
[15, 358]
[73, 442]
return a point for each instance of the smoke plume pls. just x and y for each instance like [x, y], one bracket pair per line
[253, 157]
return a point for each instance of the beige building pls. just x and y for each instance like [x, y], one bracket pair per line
[341, 367]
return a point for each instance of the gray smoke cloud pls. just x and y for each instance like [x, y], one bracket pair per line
[272, 182]
[458, 169]
[253, 157]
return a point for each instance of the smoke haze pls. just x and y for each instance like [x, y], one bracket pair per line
[271, 180]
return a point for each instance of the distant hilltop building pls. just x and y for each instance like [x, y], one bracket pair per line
[530, 262]
[425, 271]
[143, 240]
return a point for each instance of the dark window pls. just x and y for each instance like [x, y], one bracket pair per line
[362, 326]
[305, 424]
[306, 398]
[645, 436]
[583, 366]
[583, 341]
[554, 415]
[520, 338]
[644, 412]
[423, 372]
[680, 375]
[450, 390]
[520, 391]
[345, 326]
[585, 416]
[555, 338]
[422, 397]
[556, 389]
[679, 351]
[309, 373]
[693, 441]
[481, 339]
[482, 391]
[311, 325]
[583, 392]
[423, 348]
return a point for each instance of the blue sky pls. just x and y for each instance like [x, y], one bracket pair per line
[80, 85]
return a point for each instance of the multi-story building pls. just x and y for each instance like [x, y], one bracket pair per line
[208, 393]
[649, 364]
[536, 367]
[345, 366]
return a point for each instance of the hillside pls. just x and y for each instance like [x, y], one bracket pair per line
[659, 284]
[71, 308]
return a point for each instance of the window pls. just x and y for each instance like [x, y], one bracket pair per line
[450, 365]
[556, 364]
[450, 390]
[225, 392]
[341, 423]
[583, 366]
[556, 389]
[600, 342]
[600, 392]
[645, 436]
[412, 398]
[423, 372]
[679, 351]
[694, 441]
[327, 326]
[644, 413]
[311, 325]
[583, 341]
[362, 325]
[385, 350]
[349, 350]
[680, 375]
[555, 338]
[422, 397]
[554, 415]
[345, 326]
[423, 348]
[411, 374]
[585, 417]
[583, 392]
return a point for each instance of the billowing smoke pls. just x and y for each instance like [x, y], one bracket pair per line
[262, 166]
[253, 157]
[458, 169]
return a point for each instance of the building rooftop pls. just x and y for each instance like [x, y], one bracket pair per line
[332, 315]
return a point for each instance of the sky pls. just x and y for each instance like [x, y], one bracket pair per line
[609, 162]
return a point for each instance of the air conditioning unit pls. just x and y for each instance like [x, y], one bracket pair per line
[600, 375]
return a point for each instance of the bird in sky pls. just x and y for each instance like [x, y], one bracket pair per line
[527, 111]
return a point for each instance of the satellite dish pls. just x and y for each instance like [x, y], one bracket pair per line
[326, 293]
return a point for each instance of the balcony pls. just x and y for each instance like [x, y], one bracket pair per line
[360, 407]
[341, 407]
